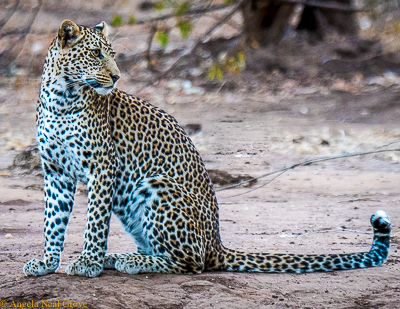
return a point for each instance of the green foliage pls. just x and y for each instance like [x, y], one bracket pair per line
[159, 5]
[233, 64]
[185, 27]
[215, 72]
[162, 37]
[182, 8]
[116, 21]
[132, 20]
[236, 64]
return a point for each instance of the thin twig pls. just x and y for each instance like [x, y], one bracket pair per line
[341, 229]
[254, 189]
[204, 37]
[196, 11]
[307, 162]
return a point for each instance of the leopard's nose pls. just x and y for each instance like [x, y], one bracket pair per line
[115, 77]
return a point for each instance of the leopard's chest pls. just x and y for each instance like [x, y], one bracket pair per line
[61, 142]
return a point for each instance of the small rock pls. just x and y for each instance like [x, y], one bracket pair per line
[186, 84]
[195, 72]
[27, 162]
[8, 236]
[365, 22]
[304, 110]
[174, 84]
[188, 88]
[37, 46]
[192, 128]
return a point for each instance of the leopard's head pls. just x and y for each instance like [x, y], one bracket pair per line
[86, 57]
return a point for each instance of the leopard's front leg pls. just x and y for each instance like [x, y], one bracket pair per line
[59, 192]
[101, 191]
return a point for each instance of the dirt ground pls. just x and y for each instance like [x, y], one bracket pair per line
[321, 208]
[256, 127]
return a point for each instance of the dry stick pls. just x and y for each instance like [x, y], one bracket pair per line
[24, 32]
[342, 230]
[190, 12]
[307, 162]
[205, 35]
[27, 30]
[153, 31]
[295, 18]
[327, 5]
[13, 9]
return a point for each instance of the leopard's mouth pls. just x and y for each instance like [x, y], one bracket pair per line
[99, 88]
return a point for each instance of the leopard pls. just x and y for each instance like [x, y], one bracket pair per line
[139, 165]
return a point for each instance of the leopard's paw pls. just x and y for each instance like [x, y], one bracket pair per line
[111, 259]
[37, 267]
[84, 267]
[127, 264]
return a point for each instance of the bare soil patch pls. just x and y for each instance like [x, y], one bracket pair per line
[320, 208]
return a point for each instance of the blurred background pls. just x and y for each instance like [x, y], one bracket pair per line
[174, 51]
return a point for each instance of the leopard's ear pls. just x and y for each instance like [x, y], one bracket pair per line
[69, 34]
[102, 27]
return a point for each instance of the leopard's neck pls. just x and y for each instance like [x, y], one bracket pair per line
[59, 93]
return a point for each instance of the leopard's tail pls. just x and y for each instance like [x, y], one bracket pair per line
[231, 260]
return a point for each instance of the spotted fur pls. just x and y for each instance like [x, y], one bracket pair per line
[139, 164]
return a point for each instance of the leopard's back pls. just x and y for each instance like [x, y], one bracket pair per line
[150, 142]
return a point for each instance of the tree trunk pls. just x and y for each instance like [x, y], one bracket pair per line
[268, 21]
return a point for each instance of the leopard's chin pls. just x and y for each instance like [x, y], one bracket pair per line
[103, 90]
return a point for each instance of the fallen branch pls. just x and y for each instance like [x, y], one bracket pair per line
[153, 31]
[307, 162]
[326, 5]
[197, 43]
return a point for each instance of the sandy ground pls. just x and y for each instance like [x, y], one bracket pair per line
[321, 208]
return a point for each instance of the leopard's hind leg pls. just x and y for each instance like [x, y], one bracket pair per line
[162, 219]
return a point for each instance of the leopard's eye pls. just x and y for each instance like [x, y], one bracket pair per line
[96, 52]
